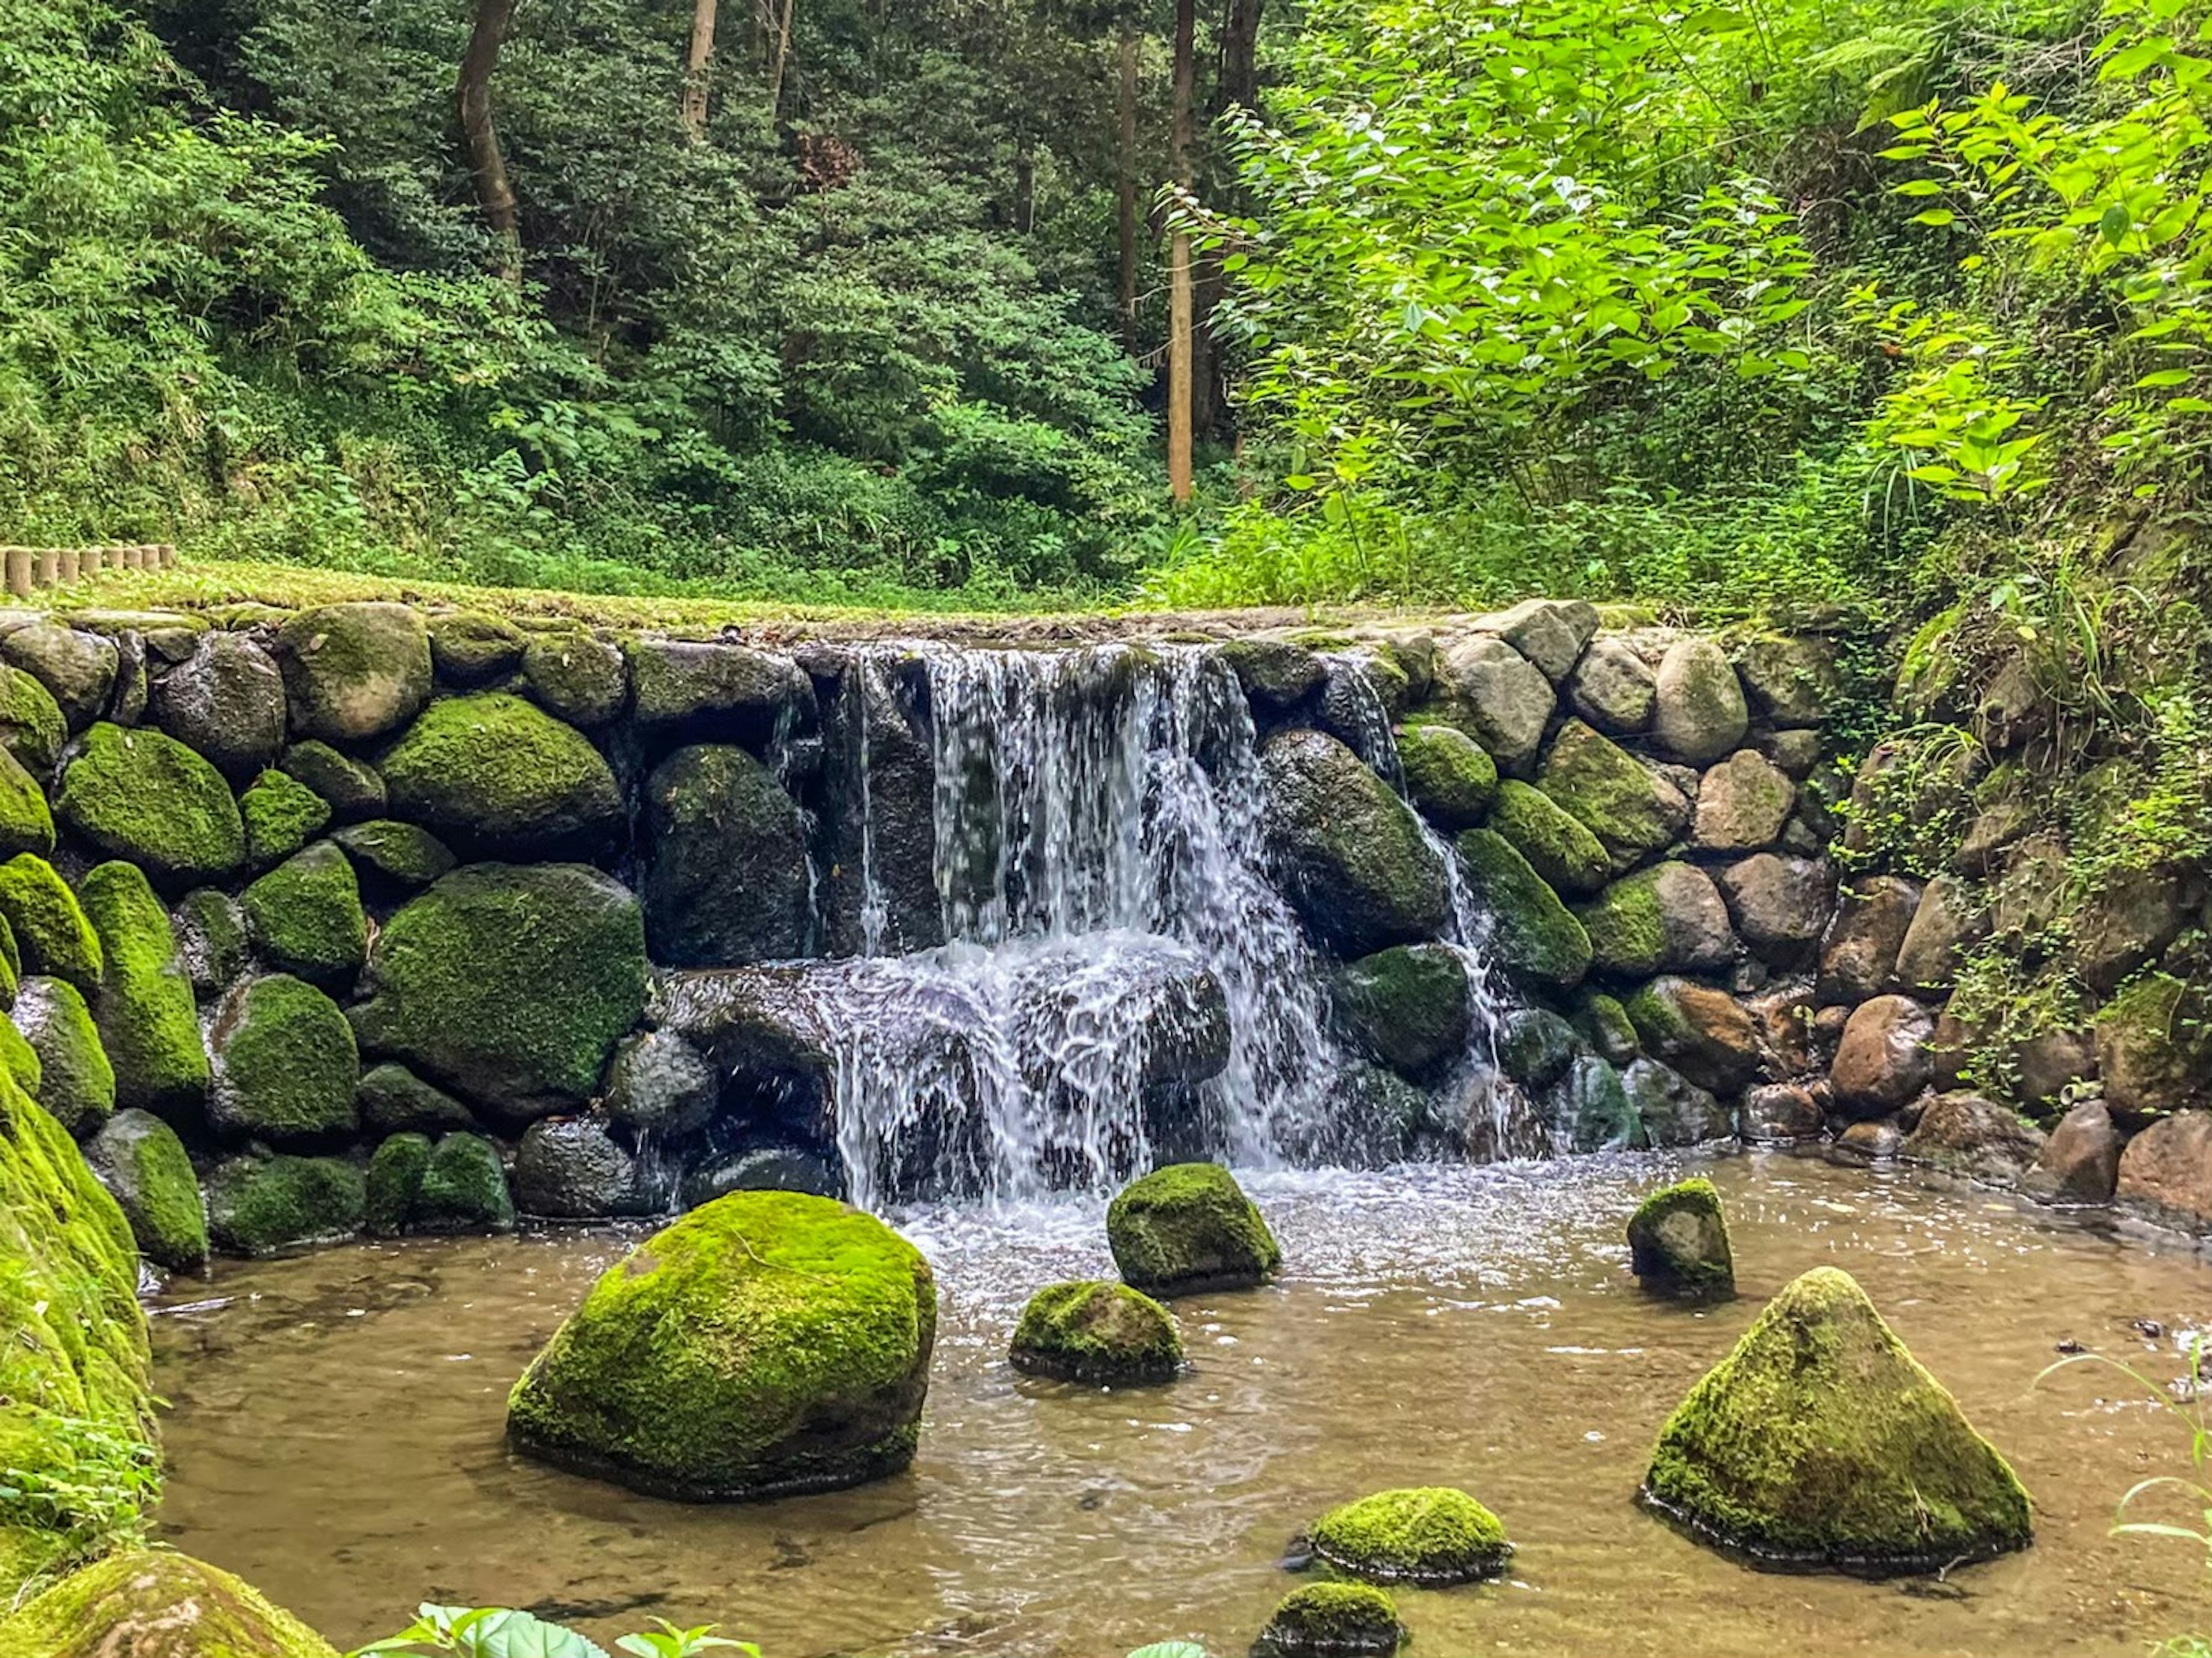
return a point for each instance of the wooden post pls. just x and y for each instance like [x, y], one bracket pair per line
[68, 558]
[19, 571]
[90, 562]
[47, 571]
[168, 550]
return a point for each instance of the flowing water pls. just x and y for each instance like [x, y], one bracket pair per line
[336, 1432]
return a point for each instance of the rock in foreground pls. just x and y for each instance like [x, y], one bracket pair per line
[1187, 1229]
[1678, 1241]
[1433, 1535]
[1331, 1620]
[153, 1604]
[1098, 1333]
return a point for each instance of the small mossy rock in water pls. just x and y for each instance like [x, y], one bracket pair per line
[1698, 713]
[1332, 1620]
[473, 647]
[1820, 1441]
[1275, 674]
[145, 797]
[225, 702]
[148, 1022]
[1628, 807]
[287, 1070]
[49, 925]
[1678, 1241]
[27, 824]
[305, 917]
[1673, 1110]
[354, 672]
[1535, 936]
[572, 1168]
[507, 984]
[1350, 855]
[139, 1158]
[1433, 1535]
[768, 1344]
[659, 1084]
[463, 1189]
[500, 777]
[1535, 1046]
[1449, 776]
[1557, 845]
[576, 676]
[210, 930]
[281, 815]
[1405, 1005]
[393, 856]
[726, 882]
[1670, 917]
[1101, 1334]
[154, 1604]
[257, 1205]
[685, 690]
[392, 1099]
[353, 787]
[77, 1083]
[77, 670]
[389, 1189]
[1187, 1229]
[32, 728]
[1588, 1108]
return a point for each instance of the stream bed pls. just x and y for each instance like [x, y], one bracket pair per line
[335, 1432]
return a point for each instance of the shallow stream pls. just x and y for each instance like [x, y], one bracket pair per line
[336, 1433]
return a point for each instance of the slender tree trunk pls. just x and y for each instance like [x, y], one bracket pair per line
[694, 78]
[1237, 86]
[494, 194]
[1024, 190]
[1180, 396]
[1124, 167]
[1240, 45]
[781, 57]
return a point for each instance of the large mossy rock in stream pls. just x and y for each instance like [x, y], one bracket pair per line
[499, 777]
[75, 1082]
[148, 1019]
[156, 1604]
[1432, 1535]
[1350, 855]
[1535, 935]
[768, 1343]
[1678, 1241]
[47, 923]
[140, 1159]
[727, 878]
[1098, 1333]
[1187, 1228]
[143, 797]
[1332, 1620]
[1820, 1442]
[354, 672]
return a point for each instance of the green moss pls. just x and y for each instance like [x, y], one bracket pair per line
[149, 1602]
[473, 647]
[1556, 844]
[499, 775]
[353, 671]
[576, 676]
[75, 1081]
[1536, 938]
[770, 1342]
[289, 1066]
[1405, 1006]
[1332, 1620]
[11, 953]
[1349, 855]
[32, 726]
[1427, 1535]
[149, 1023]
[392, 1099]
[141, 1160]
[1677, 1240]
[395, 854]
[463, 1189]
[305, 917]
[1097, 1334]
[257, 1206]
[26, 822]
[1189, 1228]
[1448, 776]
[1605, 1024]
[1627, 926]
[1631, 812]
[144, 796]
[394, 1180]
[1819, 1441]
[19, 1058]
[351, 787]
[47, 924]
[210, 933]
[281, 815]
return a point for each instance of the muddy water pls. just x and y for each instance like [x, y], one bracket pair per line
[335, 1434]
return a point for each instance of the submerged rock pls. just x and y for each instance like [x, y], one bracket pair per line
[152, 1603]
[1098, 1333]
[1678, 1241]
[1820, 1441]
[786, 1340]
[1332, 1620]
[1187, 1228]
[1432, 1535]
[1350, 853]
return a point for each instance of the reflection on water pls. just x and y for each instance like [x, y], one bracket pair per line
[335, 1434]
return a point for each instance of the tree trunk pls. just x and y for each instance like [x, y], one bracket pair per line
[695, 79]
[1125, 165]
[495, 195]
[781, 58]
[1240, 45]
[1180, 397]
[1024, 189]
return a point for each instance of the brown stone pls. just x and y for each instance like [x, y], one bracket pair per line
[1948, 917]
[1952, 1050]
[1782, 1113]
[1743, 804]
[1784, 1018]
[2081, 1162]
[1699, 1030]
[1884, 1059]
[1876, 1139]
[2165, 1172]
[1858, 955]
[2030, 894]
[2052, 1061]
[1965, 1135]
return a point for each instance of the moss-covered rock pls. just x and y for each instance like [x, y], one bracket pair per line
[1448, 776]
[1349, 853]
[1332, 1620]
[1588, 1108]
[1535, 1046]
[703, 691]
[140, 1159]
[394, 1178]
[353, 787]
[1820, 1441]
[49, 926]
[1276, 675]
[75, 1082]
[1187, 1228]
[2155, 1047]
[392, 1099]
[1406, 1005]
[20, 1060]
[1631, 809]
[463, 1189]
[305, 917]
[727, 880]
[32, 728]
[1534, 934]
[1432, 1535]
[144, 796]
[395, 856]
[257, 1206]
[769, 1343]
[1606, 1026]
[1556, 843]
[148, 1023]
[577, 676]
[500, 777]
[26, 824]
[1678, 1241]
[154, 1604]
[1670, 917]
[509, 985]
[1699, 1030]
[77, 669]
[210, 930]
[353, 673]
[286, 1068]
[473, 647]
[1098, 1333]
[281, 815]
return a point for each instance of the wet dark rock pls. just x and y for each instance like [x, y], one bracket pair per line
[1587, 1108]
[393, 1099]
[1965, 1135]
[1701, 1030]
[1782, 1114]
[1876, 1140]
[1350, 855]
[1376, 1118]
[1673, 1110]
[572, 1168]
[893, 844]
[1275, 674]
[1533, 936]
[227, 701]
[762, 1168]
[659, 1082]
[726, 879]
[1858, 955]
[2079, 1163]
[1605, 1025]
[1535, 1046]
[210, 929]
[1406, 1006]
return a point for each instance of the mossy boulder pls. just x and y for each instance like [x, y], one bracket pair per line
[1535, 1046]
[152, 1603]
[704, 691]
[500, 777]
[1678, 1241]
[1672, 1109]
[1405, 1005]
[1332, 1620]
[305, 917]
[393, 1179]
[32, 728]
[508, 984]
[353, 673]
[48, 925]
[27, 824]
[1432, 1535]
[225, 702]
[463, 1189]
[1349, 853]
[1556, 843]
[281, 815]
[392, 1099]
[1187, 1228]
[393, 856]
[77, 669]
[1533, 935]
[139, 1158]
[353, 787]
[144, 796]
[1275, 675]
[20, 1060]
[1588, 1108]
[576, 676]
[1448, 776]
[768, 1343]
[1098, 1333]
[473, 647]
[1700, 1029]
[286, 1067]
[210, 930]
[1820, 1441]
[2155, 1047]
[148, 1022]
[1633, 810]
[257, 1205]
[728, 879]
[1670, 917]
[1605, 1024]
[75, 1082]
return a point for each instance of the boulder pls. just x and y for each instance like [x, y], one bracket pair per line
[27, 824]
[1275, 675]
[225, 702]
[1963, 1135]
[1819, 1442]
[1858, 955]
[1782, 1114]
[394, 857]
[47, 925]
[352, 788]
[354, 672]
[20, 1060]
[463, 1189]
[1605, 1024]
[285, 1067]
[577, 677]
[1697, 711]
[1612, 690]
[1374, 1118]
[1743, 804]
[145, 797]
[395, 1175]
[392, 1100]
[305, 918]
[1349, 853]
[1946, 920]
[726, 879]
[1550, 632]
[1332, 1620]
[1099, 1334]
[1434, 1536]
[1588, 1108]
[1780, 905]
[509, 985]
[1406, 1006]
[824, 1389]
[498, 777]
[1672, 1109]
[1792, 681]
[760, 1168]
[1875, 1141]
[2079, 1163]
[2154, 1048]
[1795, 753]
[1678, 1241]
[77, 670]
[2126, 921]
[148, 1019]
[77, 1085]
[1533, 934]
[1448, 777]
[281, 815]
[259, 1204]
[31, 729]
[1670, 917]
[2164, 1174]
[2030, 893]
[2052, 1061]
[1556, 843]
[1535, 1046]
[210, 933]
[1884, 1060]
[139, 1158]
[659, 1084]
[571, 1169]
[1187, 1230]
[1701, 1030]
[683, 691]
[1633, 810]
[1498, 698]
[153, 1603]
[473, 647]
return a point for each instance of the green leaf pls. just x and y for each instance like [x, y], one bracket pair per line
[1936, 216]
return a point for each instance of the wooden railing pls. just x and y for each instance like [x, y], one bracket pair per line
[30, 568]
